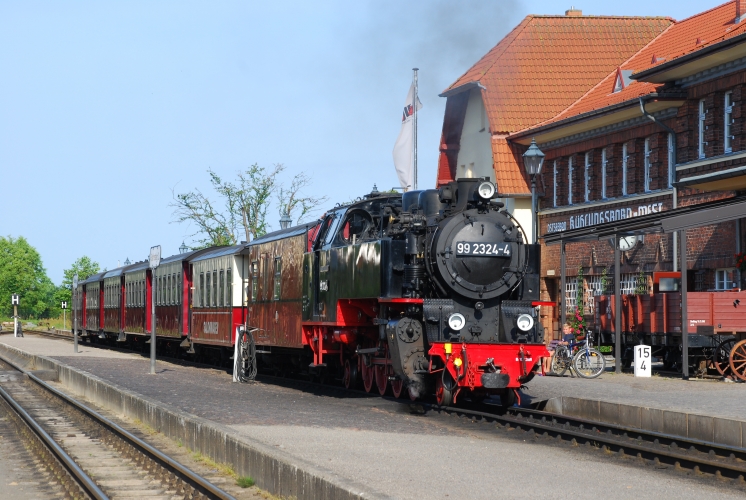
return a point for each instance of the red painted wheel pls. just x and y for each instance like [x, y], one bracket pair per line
[397, 387]
[382, 379]
[721, 357]
[443, 395]
[738, 360]
[350, 377]
[368, 376]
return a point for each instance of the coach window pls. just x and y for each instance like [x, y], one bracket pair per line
[214, 288]
[728, 122]
[201, 291]
[208, 293]
[625, 162]
[647, 165]
[278, 278]
[254, 280]
[701, 129]
[221, 300]
[569, 181]
[229, 287]
[587, 177]
[554, 183]
[178, 288]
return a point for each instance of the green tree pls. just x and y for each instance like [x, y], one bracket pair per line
[84, 267]
[241, 212]
[22, 272]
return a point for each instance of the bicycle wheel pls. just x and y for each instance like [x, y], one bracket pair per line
[589, 363]
[559, 362]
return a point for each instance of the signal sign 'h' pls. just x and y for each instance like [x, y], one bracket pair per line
[14, 300]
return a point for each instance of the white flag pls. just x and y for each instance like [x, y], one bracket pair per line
[403, 154]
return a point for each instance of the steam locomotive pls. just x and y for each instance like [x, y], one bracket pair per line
[431, 290]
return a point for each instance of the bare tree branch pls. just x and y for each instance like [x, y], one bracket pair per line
[291, 199]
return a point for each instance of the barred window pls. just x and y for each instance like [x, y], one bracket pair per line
[728, 122]
[554, 183]
[625, 161]
[628, 283]
[569, 181]
[647, 164]
[701, 129]
[587, 177]
[571, 296]
[604, 166]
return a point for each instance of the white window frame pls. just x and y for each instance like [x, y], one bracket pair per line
[628, 283]
[587, 178]
[569, 181]
[724, 278]
[647, 165]
[555, 183]
[701, 129]
[728, 122]
[604, 163]
[571, 295]
[625, 158]
[670, 161]
[594, 289]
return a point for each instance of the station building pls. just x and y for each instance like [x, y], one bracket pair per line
[662, 127]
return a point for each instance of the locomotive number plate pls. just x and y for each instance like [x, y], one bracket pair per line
[483, 249]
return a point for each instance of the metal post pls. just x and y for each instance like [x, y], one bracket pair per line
[563, 275]
[15, 320]
[75, 313]
[64, 319]
[684, 319]
[152, 325]
[739, 278]
[617, 307]
[414, 124]
[675, 234]
[533, 209]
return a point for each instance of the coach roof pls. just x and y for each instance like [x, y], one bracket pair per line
[283, 233]
[219, 252]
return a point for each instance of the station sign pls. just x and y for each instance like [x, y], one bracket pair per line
[64, 305]
[602, 217]
[155, 256]
[14, 299]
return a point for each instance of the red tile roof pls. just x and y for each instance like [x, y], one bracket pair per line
[683, 37]
[548, 62]
[540, 68]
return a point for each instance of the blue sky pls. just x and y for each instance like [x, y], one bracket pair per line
[106, 107]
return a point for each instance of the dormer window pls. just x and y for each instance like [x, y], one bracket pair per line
[622, 79]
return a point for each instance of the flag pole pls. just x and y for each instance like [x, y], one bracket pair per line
[414, 142]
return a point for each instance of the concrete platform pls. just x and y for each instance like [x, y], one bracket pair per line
[315, 444]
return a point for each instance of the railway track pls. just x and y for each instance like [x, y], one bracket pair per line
[659, 450]
[88, 455]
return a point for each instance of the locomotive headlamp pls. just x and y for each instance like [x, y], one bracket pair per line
[524, 322]
[456, 321]
[486, 190]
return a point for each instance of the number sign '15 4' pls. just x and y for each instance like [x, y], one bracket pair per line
[643, 359]
[483, 249]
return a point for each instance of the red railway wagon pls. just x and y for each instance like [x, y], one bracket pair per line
[655, 320]
[136, 299]
[217, 311]
[172, 286]
[113, 303]
[275, 277]
[93, 312]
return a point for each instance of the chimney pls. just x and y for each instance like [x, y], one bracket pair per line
[740, 10]
[573, 12]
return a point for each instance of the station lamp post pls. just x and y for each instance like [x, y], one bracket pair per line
[285, 220]
[183, 248]
[533, 159]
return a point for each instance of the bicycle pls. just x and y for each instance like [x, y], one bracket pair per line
[587, 362]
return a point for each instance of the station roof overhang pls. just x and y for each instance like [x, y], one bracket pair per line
[696, 62]
[599, 120]
[688, 217]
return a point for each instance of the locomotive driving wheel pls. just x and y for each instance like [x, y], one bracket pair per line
[368, 376]
[721, 357]
[738, 360]
[397, 387]
[382, 379]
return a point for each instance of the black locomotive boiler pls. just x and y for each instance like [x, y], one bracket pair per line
[431, 289]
